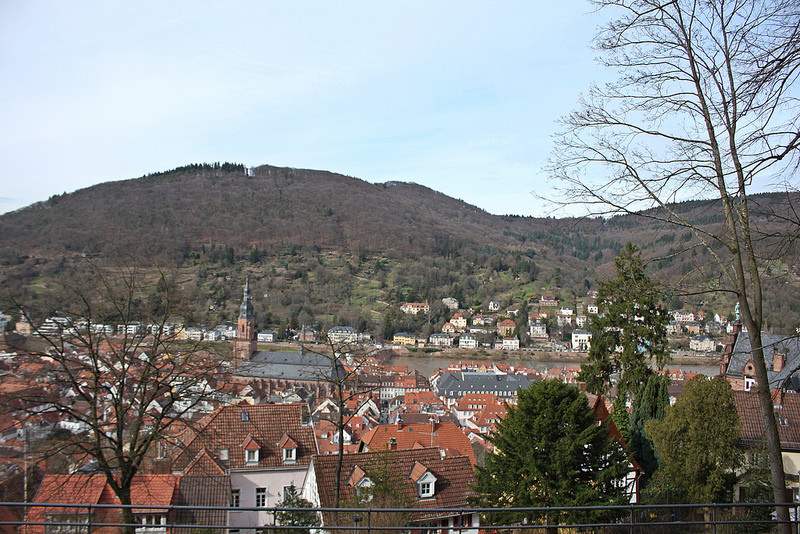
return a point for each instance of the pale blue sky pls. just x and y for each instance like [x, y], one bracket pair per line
[459, 96]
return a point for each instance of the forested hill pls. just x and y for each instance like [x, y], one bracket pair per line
[270, 208]
[221, 222]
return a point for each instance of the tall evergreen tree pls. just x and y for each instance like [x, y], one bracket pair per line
[549, 451]
[629, 332]
[651, 403]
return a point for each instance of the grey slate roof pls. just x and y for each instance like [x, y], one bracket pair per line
[788, 345]
[455, 385]
[306, 366]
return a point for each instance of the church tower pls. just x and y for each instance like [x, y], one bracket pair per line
[246, 343]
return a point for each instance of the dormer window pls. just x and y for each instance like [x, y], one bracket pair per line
[424, 479]
[223, 455]
[360, 482]
[288, 448]
[251, 450]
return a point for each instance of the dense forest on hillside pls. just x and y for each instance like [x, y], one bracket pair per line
[326, 249]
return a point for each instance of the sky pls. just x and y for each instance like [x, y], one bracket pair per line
[462, 97]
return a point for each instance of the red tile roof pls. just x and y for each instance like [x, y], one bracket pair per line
[787, 412]
[454, 475]
[444, 436]
[230, 426]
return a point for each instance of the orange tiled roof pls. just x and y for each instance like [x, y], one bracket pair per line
[446, 436]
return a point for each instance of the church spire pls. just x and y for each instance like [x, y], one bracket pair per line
[245, 344]
[246, 309]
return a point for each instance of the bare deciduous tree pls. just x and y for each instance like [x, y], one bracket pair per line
[119, 374]
[705, 107]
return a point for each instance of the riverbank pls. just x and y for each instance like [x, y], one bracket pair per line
[427, 362]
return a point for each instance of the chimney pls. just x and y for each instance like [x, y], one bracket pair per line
[777, 397]
[392, 444]
[778, 360]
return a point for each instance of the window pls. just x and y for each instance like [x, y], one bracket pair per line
[425, 489]
[261, 497]
[235, 498]
[289, 455]
[286, 492]
[223, 455]
[251, 456]
[749, 382]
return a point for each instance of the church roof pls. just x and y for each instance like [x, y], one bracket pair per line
[304, 366]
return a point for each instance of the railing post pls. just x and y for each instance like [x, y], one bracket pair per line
[631, 520]
[714, 517]
[89, 515]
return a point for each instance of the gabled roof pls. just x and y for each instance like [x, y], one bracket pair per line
[205, 463]
[250, 444]
[265, 424]
[455, 477]
[356, 476]
[287, 442]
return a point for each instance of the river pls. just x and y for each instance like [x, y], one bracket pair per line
[426, 364]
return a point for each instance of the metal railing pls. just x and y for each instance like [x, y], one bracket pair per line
[717, 518]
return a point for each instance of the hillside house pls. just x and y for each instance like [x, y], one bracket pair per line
[441, 340]
[459, 321]
[702, 344]
[413, 308]
[450, 303]
[467, 341]
[538, 331]
[405, 339]
[693, 328]
[507, 343]
[581, 340]
[548, 300]
[506, 327]
[342, 334]
[266, 336]
[494, 306]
